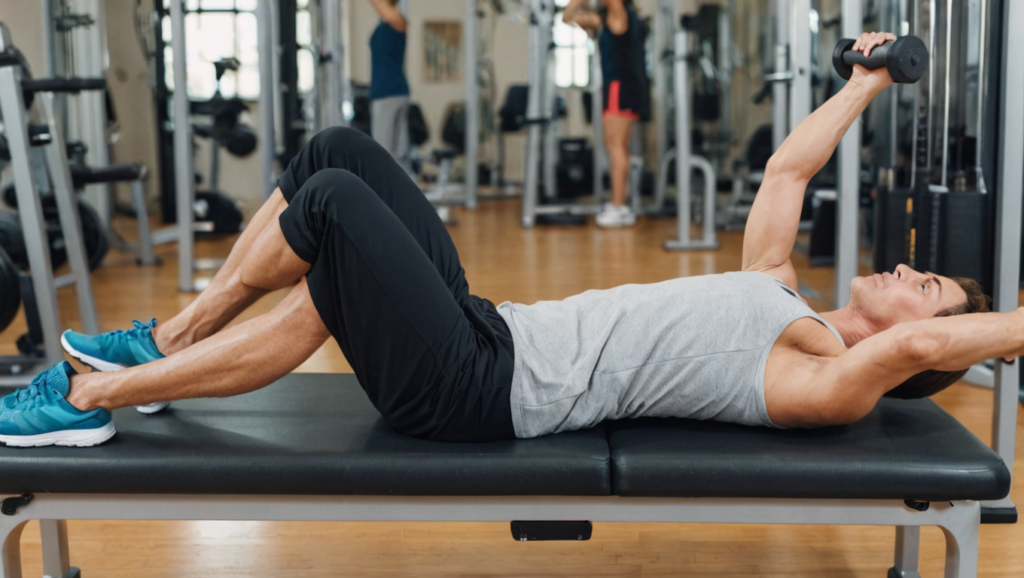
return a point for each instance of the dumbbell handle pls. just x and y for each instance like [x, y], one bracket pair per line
[876, 60]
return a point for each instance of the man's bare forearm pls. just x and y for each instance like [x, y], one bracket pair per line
[774, 218]
[958, 342]
[806, 150]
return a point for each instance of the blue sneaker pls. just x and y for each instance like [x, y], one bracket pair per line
[38, 415]
[116, 350]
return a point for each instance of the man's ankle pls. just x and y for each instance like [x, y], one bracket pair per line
[78, 392]
[168, 342]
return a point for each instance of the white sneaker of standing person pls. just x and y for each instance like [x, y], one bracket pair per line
[615, 216]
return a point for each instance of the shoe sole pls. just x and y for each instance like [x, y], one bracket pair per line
[101, 365]
[68, 438]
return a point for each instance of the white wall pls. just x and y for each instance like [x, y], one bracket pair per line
[25, 22]
[131, 89]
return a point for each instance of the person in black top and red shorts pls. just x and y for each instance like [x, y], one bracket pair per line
[621, 38]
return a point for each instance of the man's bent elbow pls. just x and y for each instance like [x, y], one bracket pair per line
[779, 164]
[918, 349]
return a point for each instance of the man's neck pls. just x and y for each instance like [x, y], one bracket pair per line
[853, 327]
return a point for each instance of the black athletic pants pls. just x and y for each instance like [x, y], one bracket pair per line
[386, 280]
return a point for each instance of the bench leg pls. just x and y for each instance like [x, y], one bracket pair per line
[146, 256]
[56, 560]
[10, 534]
[961, 531]
[908, 539]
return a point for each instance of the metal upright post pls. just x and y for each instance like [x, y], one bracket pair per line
[663, 35]
[330, 27]
[799, 62]
[471, 45]
[89, 52]
[550, 112]
[275, 74]
[70, 220]
[536, 70]
[267, 123]
[49, 40]
[725, 67]
[597, 120]
[684, 192]
[184, 173]
[780, 88]
[347, 106]
[1008, 243]
[848, 205]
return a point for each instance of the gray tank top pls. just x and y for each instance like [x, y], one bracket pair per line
[694, 347]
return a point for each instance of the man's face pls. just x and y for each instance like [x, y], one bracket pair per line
[904, 295]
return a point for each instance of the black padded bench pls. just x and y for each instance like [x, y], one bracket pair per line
[311, 447]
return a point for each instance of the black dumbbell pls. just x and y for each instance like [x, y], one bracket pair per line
[905, 58]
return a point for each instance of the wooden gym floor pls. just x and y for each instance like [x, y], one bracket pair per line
[503, 262]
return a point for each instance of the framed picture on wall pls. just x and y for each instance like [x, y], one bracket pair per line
[442, 51]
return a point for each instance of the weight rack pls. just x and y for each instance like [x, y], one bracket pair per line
[21, 136]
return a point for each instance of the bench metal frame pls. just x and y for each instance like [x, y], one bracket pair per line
[958, 520]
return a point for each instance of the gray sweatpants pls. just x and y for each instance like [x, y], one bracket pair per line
[390, 126]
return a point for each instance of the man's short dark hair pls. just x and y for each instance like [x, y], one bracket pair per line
[930, 382]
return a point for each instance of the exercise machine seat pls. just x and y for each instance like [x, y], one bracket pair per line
[906, 450]
[308, 434]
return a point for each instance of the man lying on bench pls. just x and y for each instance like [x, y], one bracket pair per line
[376, 269]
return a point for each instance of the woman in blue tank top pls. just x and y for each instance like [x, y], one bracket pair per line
[389, 89]
[621, 40]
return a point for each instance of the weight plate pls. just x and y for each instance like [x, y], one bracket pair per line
[10, 290]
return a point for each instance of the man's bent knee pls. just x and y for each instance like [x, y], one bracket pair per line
[335, 196]
[340, 139]
[337, 191]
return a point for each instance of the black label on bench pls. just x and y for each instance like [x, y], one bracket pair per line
[547, 531]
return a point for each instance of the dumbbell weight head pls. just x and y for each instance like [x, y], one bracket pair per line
[844, 70]
[12, 238]
[905, 58]
[221, 210]
[10, 290]
[94, 233]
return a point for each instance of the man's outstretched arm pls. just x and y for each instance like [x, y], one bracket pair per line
[847, 387]
[775, 217]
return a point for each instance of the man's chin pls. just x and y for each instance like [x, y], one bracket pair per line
[858, 286]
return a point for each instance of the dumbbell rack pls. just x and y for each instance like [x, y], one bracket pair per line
[20, 135]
